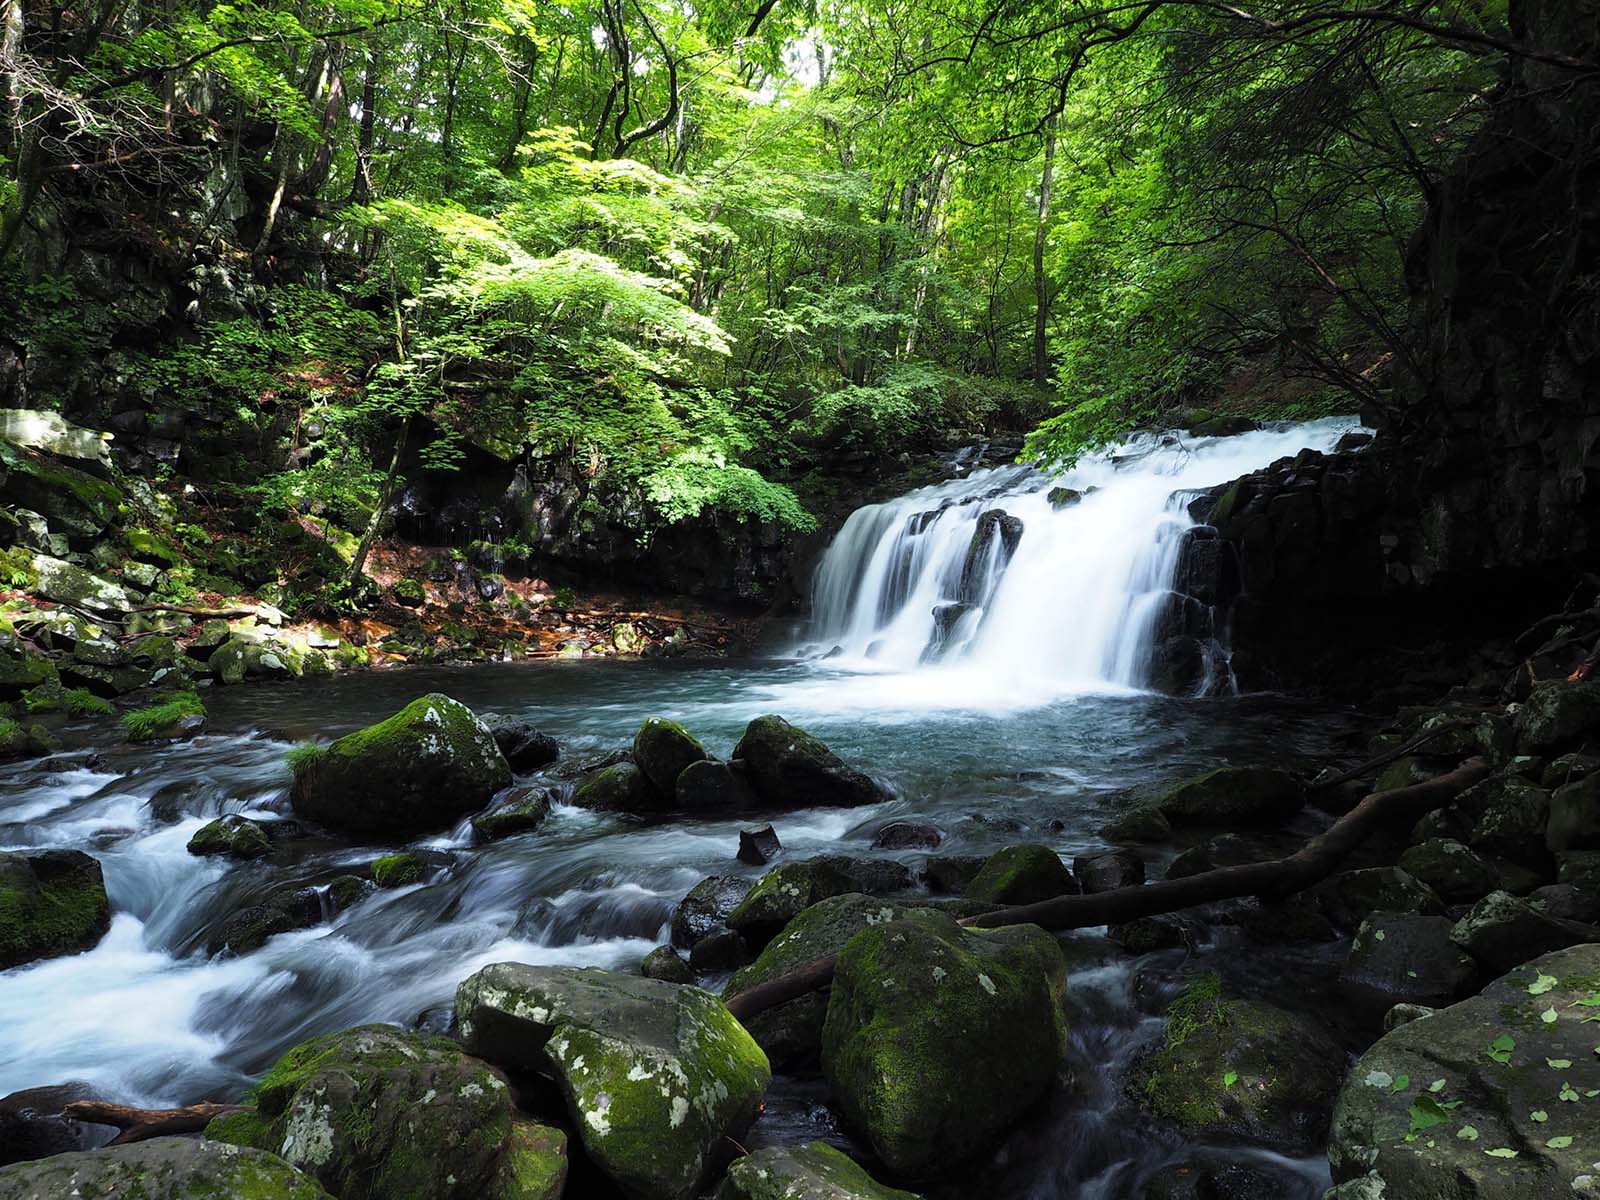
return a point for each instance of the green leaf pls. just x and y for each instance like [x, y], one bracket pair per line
[1500, 1049]
[1559, 1143]
[1501, 1152]
[1438, 1085]
[1539, 1116]
[1401, 1083]
[1558, 1064]
[1426, 1113]
[1229, 1079]
[1467, 1133]
[1542, 984]
[1548, 1016]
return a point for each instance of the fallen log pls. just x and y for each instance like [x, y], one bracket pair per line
[1400, 751]
[140, 1124]
[1273, 880]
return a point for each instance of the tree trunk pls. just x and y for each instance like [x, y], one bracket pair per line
[1041, 284]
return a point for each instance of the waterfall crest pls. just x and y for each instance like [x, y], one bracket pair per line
[1045, 583]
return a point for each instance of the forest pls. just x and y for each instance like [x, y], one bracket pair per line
[800, 600]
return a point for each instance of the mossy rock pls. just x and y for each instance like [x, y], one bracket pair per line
[1457, 874]
[620, 788]
[1022, 875]
[1242, 1070]
[1557, 713]
[523, 811]
[23, 668]
[147, 546]
[789, 768]
[181, 716]
[66, 584]
[938, 1038]
[232, 836]
[160, 1169]
[1511, 818]
[709, 786]
[242, 657]
[1232, 796]
[1352, 896]
[662, 749]
[658, 1077]
[1403, 958]
[398, 870]
[783, 893]
[792, 1032]
[377, 1114]
[814, 1171]
[25, 740]
[421, 770]
[706, 908]
[51, 903]
[667, 965]
[410, 593]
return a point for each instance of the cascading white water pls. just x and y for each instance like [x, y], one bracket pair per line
[1068, 606]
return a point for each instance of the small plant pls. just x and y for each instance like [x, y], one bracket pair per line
[159, 720]
[563, 597]
[303, 755]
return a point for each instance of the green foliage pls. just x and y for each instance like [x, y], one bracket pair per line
[158, 720]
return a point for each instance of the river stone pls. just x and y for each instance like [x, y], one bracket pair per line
[662, 749]
[1022, 875]
[1580, 868]
[666, 964]
[706, 908]
[792, 1032]
[1458, 875]
[1352, 896]
[1557, 713]
[758, 847]
[1511, 1069]
[525, 747]
[422, 769]
[32, 1125]
[814, 1171]
[1230, 796]
[1567, 902]
[232, 836]
[51, 903]
[658, 1077]
[160, 1169]
[67, 584]
[1141, 823]
[1107, 870]
[1242, 1070]
[523, 810]
[786, 891]
[1398, 958]
[1575, 816]
[995, 538]
[711, 786]
[1511, 816]
[789, 768]
[1503, 931]
[620, 788]
[938, 1038]
[374, 1113]
[907, 835]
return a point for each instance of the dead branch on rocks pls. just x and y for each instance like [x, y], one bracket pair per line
[141, 1124]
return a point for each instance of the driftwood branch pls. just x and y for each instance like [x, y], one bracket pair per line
[1313, 862]
[140, 1124]
[1383, 760]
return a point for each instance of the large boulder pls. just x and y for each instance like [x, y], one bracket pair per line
[784, 892]
[525, 747]
[662, 749]
[1489, 1099]
[1456, 873]
[705, 909]
[995, 538]
[159, 1169]
[792, 1032]
[1232, 796]
[51, 903]
[1575, 816]
[422, 769]
[374, 1113]
[66, 584]
[1403, 958]
[814, 1171]
[1510, 816]
[789, 768]
[620, 788]
[1557, 713]
[658, 1077]
[937, 1038]
[1503, 931]
[1242, 1070]
[33, 1125]
[711, 786]
[1022, 875]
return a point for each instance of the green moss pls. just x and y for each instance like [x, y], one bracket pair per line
[149, 546]
[1021, 875]
[16, 568]
[245, 1128]
[158, 720]
[398, 870]
[50, 904]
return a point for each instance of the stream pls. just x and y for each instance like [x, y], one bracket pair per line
[1009, 738]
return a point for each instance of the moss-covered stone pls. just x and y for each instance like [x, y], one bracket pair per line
[422, 769]
[1022, 875]
[25, 740]
[183, 715]
[1239, 1069]
[160, 1169]
[938, 1038]
[22, 667]
[377, 1114]
[1403, 958]
[783, 893]
[814, 1171]
[667, 965]
[523, 811]
[709, 786]
[1352, 896]
[1457, 874]
[620, 788]
[51, 903]
[398, 870]
[410, 593]
[662, 749]
[1556, 714]
[1510, 818]
[657, 1077]
[789, 768]
[1232, 796]
[232, 836]
[66, 584]
[705, 909]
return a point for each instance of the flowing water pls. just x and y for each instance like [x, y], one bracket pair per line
[1015, 737]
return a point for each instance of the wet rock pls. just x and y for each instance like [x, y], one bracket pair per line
[789, 768]
[1397, 958]
[1145, 935]
[711, 786]
[1105, 871]
[657, 1077]
[1352, 896]
[32, 1127]
[662, 749]
[757, 847]
[706, 908]
[399, 870]
[374, 1113]
[1455, 873]
[814, 1171]
[1557, 713]
[1401, 1014]
[667, 965]
[994, 541]
[1142, 823]
[720, 950]
[1224, 850]
[1022, 875]
[1567, 902]
[247, 930]
[1503, 931]
[1574, 822]
[1580, 868]
[1288, 922]
[783, 893]
[938, 1038]
[1232, 796]
[422, 769]
[951, 872]
[1063, 497]
[622, 788]
[1510, 819]
[232, 836]
[525, 748]
[51, 903]
[160, 1168]
[907, 835]
[1569, 768]
[875, 876]
[522, 810]
[1489, 1099]
[1243, 1070]
[792, 1033]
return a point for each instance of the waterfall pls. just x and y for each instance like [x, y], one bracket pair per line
[1014, 578]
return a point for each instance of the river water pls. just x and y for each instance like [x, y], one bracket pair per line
[150, 1017]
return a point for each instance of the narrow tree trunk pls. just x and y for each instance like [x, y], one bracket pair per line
[358, 564]
[1041, 284]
